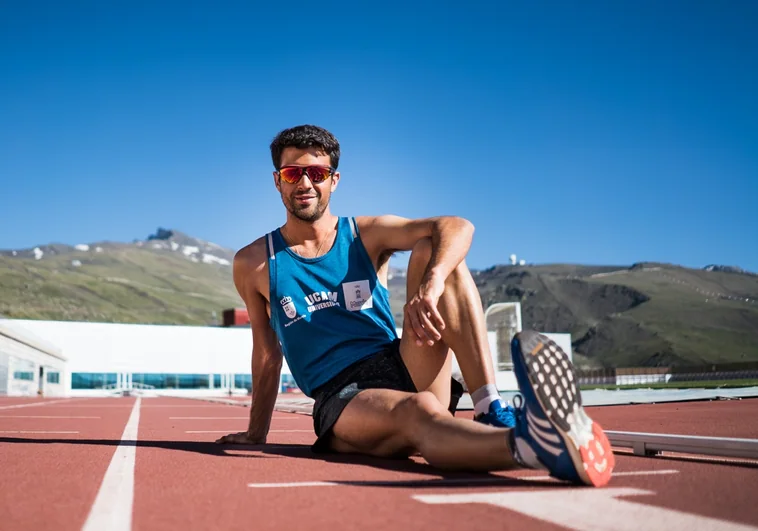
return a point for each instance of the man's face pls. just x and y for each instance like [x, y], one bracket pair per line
[305, 199]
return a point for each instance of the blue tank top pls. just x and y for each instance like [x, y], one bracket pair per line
[328, 312]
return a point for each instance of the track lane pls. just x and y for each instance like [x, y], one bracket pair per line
[51, 480]
[185, 481]
[196, 484]
[718, 418]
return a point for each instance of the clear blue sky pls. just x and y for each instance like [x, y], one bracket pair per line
[584, 132]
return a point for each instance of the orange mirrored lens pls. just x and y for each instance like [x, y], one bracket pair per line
[318, 174]
[293, 174]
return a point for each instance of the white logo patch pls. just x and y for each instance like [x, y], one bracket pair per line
[357, 295]
[289, 307]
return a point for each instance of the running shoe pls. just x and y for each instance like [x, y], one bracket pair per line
[552, 429]
[498, 415]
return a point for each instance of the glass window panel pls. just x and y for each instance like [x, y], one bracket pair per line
[193, 381]
[243, 381]
[170, 381]
[53, 377]
[288, 384]
[93, 380]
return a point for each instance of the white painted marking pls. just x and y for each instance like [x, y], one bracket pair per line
[450, 481]
[231, 418]
[596, 509]
[101, 406]
[141, 407]
[231, 431]
[112, 509]
[296, 484]
[43, 417]
[35, 431]
[32, 404]
[201, 405]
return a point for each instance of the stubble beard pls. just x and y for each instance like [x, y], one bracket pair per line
[309, 213]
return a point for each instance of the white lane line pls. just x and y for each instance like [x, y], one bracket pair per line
[298, 484]
[127, 405]
[112, 509]
[606, 509]
[445, 482]
[230, 431]
[32, 404]
[101, 406]
[35, 431]
[192, 406]
[228, 418]
[43, 417]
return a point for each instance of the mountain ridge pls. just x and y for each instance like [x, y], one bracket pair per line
[643, 314]
[163, 239]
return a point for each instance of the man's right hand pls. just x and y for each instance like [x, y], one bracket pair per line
[242, 437]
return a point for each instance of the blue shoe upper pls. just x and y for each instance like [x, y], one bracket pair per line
[499, 416]
[534, 427]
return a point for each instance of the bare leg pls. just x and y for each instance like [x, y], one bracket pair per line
[384, 422]
[465, 332]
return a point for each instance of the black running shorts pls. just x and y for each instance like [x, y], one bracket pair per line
[383, 370]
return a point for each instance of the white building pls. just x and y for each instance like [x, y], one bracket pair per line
[103, 358]
[29, 365]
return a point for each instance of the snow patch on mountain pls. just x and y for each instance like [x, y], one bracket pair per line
[164, 240]
[211, 259]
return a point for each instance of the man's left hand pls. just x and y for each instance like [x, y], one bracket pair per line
[421, 311]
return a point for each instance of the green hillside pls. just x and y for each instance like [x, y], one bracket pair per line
[127, 285]
[644, 315]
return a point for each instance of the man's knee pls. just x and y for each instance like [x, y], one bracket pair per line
[422, 253]
[419, 408]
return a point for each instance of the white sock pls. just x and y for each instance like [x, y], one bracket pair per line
[483, 397]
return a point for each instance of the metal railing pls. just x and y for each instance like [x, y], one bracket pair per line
[647, 375]
[651, 444]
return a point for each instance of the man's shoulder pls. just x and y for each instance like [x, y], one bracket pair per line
[253, 256]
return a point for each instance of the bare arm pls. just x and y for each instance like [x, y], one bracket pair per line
[451, 239]
[266, 367]
[266, 357]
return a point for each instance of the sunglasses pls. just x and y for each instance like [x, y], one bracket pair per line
[317, 174]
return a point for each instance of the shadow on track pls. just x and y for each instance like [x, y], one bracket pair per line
[436, 478]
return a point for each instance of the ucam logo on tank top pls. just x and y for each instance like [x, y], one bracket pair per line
[318, 300]
[321, 299]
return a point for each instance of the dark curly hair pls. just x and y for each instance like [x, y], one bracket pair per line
[305, 136]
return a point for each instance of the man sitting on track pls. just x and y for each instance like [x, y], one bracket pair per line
[315, 290]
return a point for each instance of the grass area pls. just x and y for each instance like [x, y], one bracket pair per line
[659, 315]
[130, 285]
[705, 384]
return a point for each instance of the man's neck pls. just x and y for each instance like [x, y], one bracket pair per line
[298, 232]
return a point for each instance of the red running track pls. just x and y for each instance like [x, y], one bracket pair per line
[182, 480]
